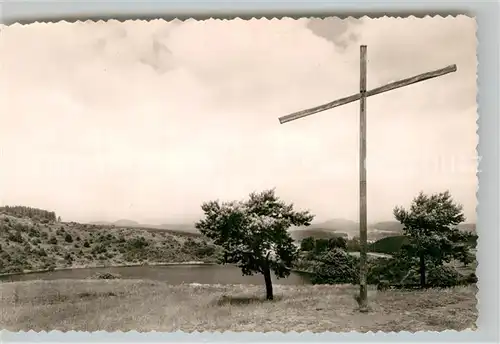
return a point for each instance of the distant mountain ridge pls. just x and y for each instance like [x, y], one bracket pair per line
[185, 227]
[343, 227]
[327, 229]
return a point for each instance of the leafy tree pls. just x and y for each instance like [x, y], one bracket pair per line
[253, 233]
[321, 245]
[430, 225]
[337, 242]
[307, 244]
[324, 245]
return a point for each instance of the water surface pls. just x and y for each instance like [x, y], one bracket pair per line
[171, 274]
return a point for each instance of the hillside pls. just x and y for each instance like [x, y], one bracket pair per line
[27, 244]
[189, 228]
[388, 245]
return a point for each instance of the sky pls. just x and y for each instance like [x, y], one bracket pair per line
[147, 120]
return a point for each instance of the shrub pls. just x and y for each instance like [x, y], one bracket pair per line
[138, 243]
[106, 275]
[443, 276]
[33, 233]
[336, 266]
[5, 256]
[86, 244]
[99, 248]
[471, 278]
[53, 241]
[49, 266]
[68, 238]
[68, 258]
[15, 237]
[13, 269]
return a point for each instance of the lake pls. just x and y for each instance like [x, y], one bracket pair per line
[171, 274]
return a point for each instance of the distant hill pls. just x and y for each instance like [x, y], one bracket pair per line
[300, 235]
[339, 225]
[182, 227]
[396, 227]
[388, 245]
[126, 223]
[387, 226]
[342, 227]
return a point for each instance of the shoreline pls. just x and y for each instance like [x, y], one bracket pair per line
[91, 266]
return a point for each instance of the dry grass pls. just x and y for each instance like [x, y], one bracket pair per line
[114, 305]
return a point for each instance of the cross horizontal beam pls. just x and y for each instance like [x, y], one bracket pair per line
[375, 91]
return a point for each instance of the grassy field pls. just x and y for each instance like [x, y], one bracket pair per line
[112, 305]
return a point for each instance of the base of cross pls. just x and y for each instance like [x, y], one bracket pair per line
[362, 306]
[364, 309]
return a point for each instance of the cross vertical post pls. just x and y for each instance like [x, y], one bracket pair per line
[363, 291]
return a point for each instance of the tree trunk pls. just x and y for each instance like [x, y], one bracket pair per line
[269, 283]
[422, 271]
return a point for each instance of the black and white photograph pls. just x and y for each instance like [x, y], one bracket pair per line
[313, 174]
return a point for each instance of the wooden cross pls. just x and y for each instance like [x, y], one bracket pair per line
[361, 96]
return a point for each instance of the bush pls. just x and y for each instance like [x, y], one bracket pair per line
[443, 276]
[68, 258]
[471, 278]
[53, 241]
[396, 270]
[86, 244]
[49, 266]
[336, 266]
[99, 248]
[15, 237]
[106, 275]
[138, 243]
[68, 238]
